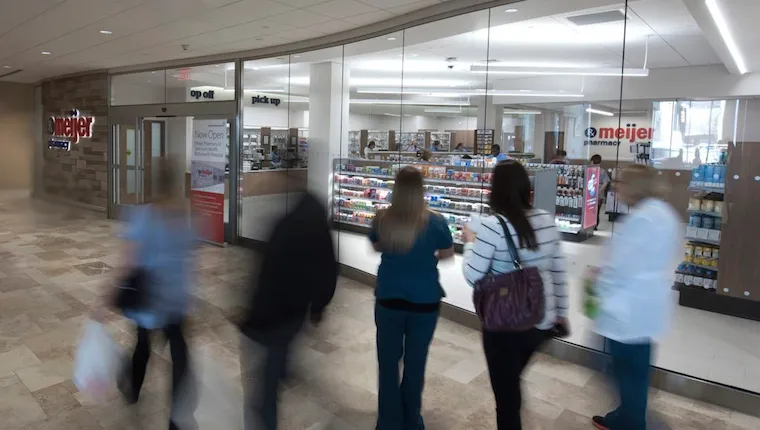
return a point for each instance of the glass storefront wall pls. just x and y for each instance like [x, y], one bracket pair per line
[535, 86]
[580, 82]
[208, 83]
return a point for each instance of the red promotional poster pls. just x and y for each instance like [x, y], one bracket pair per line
[591, 196]
[208, 214]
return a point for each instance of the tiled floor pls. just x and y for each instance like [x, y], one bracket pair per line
[54, 262]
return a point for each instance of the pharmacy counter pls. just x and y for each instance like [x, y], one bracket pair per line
[266, 181]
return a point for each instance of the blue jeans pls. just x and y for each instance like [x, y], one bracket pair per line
[630, 364]
[408, 335]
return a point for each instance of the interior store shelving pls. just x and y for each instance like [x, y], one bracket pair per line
[362, 187]
[699, 269]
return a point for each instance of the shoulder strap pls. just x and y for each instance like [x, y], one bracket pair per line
[510, 243]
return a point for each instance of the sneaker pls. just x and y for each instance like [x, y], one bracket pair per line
[599, 423]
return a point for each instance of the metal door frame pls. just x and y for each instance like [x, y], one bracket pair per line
[228, 110]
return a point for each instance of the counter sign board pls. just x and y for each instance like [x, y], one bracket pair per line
[65, 130]
[591, 197]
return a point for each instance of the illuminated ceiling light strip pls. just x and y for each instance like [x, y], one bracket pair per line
[404, 102]
[522, 112]
[600, 112]
[447, 92]
[443, 110]
[560, 71]
[725, 33]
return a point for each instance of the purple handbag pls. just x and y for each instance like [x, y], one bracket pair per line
[510, 302]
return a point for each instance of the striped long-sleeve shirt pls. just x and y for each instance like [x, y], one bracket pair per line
[490, 253]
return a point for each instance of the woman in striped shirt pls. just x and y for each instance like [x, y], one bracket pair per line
[486, 251]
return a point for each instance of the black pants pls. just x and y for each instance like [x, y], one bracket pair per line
[261, 383]
[507, 355]
[180, 366]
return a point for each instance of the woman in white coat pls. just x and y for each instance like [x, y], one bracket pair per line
[634, 289]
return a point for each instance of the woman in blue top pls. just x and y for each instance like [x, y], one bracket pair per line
[161, 243]
[412, 240]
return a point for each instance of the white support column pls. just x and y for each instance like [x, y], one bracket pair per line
[490, 117]
[328, 125]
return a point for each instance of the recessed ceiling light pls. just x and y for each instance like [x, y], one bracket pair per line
[391, 38]
[511, 10]
[45, 53]
[106, 32]
[6, 67]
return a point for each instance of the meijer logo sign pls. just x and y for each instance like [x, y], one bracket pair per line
[603, 136]
[66, 130]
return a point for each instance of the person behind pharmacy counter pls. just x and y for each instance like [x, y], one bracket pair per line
[436, 146]
[634, 290]
[460, 148]
[370, 147]
[274, 156]
[561, 157]
[604, 185]
[496, 152]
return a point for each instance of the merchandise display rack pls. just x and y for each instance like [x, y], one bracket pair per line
[354, 143]
[571, 216]
[483, 141]
[699, 269]
[361, 187]
[410, 141]
[442, 136]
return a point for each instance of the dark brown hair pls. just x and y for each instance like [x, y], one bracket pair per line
[510, 197]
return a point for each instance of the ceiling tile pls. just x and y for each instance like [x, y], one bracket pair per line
[299, 34]
[342, 8]
[388, 4]
[211, 4]
[334, 26]
[242, 12]
[411, 7]
[13, 17]
[300, 18]
[298, 4]
[57, 21]
[369, 18]
[237, 33]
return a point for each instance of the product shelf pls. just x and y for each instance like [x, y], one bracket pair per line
[483, 199]
[708, 213]
[682, 286]
[708, 188]
[356, 224]
[435, 208]
[703, 241]
[701, 266]
[430, 180]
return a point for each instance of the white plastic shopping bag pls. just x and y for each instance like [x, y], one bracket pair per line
[98, 362]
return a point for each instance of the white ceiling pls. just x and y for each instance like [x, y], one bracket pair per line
[742, 16]
[418, 56]
[146, 31]
[659, 34]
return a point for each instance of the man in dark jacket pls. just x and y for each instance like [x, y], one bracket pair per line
[296, 279]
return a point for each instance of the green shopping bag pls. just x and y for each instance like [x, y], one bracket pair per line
[591, 301]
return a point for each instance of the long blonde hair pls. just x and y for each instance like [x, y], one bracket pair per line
[399, 226]
[643, 182]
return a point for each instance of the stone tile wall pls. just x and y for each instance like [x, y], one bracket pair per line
[81, 174]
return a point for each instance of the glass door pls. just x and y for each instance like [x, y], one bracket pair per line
[126, 178]
[154, 132]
